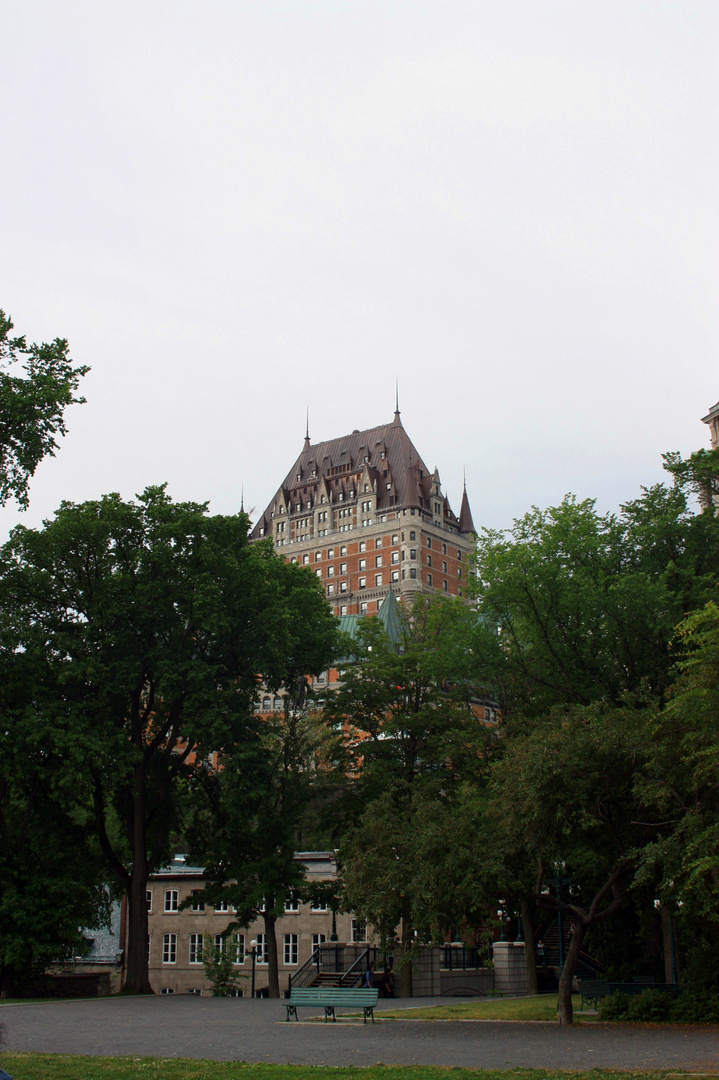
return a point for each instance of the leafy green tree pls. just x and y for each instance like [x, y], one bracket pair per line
[585, 604]
[412, 735]
[156, 620]
[32, 406]
[260, 802]
[564, 792]
[218, 963]
[51, 881]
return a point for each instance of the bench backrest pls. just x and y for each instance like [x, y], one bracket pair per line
[332, 995]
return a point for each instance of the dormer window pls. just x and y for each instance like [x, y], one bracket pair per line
[323, 499]
[299, 477]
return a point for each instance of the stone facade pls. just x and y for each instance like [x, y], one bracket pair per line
[176, 936]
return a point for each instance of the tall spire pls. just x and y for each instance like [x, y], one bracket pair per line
[466, 525]
[307, 430]
[242, 500]
[396, 402]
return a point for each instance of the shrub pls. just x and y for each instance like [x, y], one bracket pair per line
[694, 1008]
[652, 1006]
[614, 1007]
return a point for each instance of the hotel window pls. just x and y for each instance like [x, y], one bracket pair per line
[378, 579]
[343, 550]
[195, 948]
[413, 553]
[395, 575]
[343, 568]
[362, 583]
[444, 549]
[413, 572]
[330, 571]
[171, 900]
[361, 545]
[198, 904]
[413, 536]
[277, 704]
[429, 541]
[266, 704]
[429, 560]
[305, 560]
[459, 571]
[331, 553]
[378, 560]
[445, 586]
[291, 904]
[148, 899]
[444, 567]
[429, 579]
[343, 586]
[359, 930]
[330, 590]
[363, 564]
[459, 555]
[395, 556]
[169, 948]
[318, 556]
[363, 607]
[395, 538]
[343, 609]
[290, 950]
[318, 572]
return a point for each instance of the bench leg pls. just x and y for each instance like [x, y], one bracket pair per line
[292, 1011]
[330, 1011]
[368, 1011]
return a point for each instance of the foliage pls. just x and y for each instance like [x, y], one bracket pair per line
[614, 1007]
[220, 971]
[50, 875]
[153, 622]
[585, 604]
[411, 737]
[696, 1008]
[32, 405]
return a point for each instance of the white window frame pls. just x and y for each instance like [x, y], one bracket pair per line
[263, 949]
[171, 900]
[359, 931]
[238, 944]
[290, 949]
[195, 951]
[169, 948]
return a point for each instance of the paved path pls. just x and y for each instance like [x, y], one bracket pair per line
[244, 1030]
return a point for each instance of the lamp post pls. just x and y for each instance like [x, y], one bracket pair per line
[253, 954]
[502, 921]
[672, 941]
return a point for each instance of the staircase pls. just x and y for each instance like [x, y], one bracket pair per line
[548, 933]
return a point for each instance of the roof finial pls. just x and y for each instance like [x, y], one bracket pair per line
[242, 499]
[307, 430]
[464, 476]
[396, 401]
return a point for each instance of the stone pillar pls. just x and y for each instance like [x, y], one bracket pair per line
[425, 974]
[510, 968]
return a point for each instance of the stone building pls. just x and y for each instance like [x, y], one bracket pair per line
[367, 515]
[176, 936]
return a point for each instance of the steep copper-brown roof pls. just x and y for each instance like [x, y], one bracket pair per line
[385, 455]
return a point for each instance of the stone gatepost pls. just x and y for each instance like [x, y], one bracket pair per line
[510, 968]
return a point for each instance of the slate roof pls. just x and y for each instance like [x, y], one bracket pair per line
[385, 454]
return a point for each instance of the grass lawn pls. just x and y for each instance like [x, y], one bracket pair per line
[71, 1067]
[543, 1007]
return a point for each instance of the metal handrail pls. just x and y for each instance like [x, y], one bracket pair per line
[359, 963]
[306, 974]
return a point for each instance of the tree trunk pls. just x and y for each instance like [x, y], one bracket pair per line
[137, 980]
[564, 1005]
[406, 959]
[525, 913]
[272, 972]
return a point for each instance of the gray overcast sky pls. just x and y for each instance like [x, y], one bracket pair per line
[234, 210]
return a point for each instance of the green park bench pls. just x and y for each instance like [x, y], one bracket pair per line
[331, 997]
[593, 990]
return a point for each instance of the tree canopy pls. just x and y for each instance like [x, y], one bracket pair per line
[33, 399]
[155, 622]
